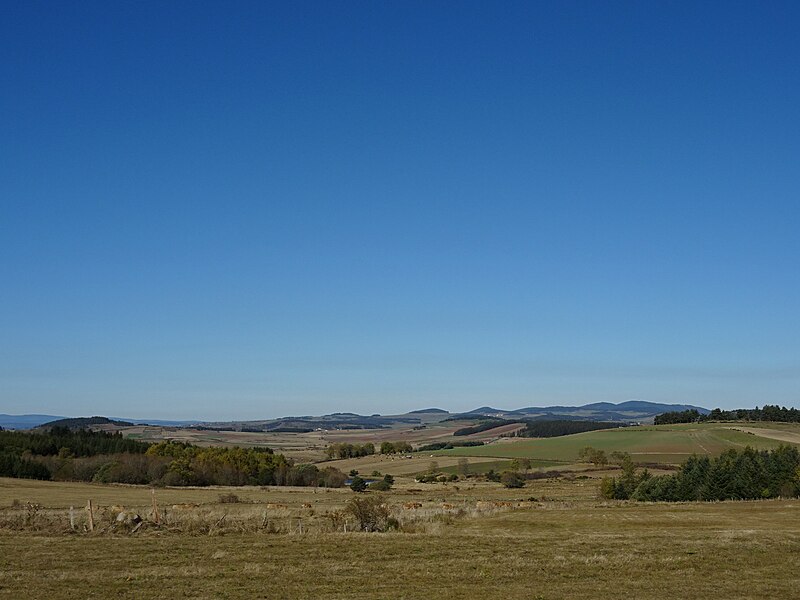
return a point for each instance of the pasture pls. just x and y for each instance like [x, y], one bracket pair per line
[305, 447]
[565, 544]
[670, 444]
[404, 464]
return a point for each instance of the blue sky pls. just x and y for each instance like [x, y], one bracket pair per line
[247, 210]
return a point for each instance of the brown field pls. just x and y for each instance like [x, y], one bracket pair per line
[300, 446]
[305, 446]
[474, 540]
[791, 436]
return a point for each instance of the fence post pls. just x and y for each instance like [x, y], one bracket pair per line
[156, 516]
[90, 510]
[72, 518]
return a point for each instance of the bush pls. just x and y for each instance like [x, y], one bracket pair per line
[358, 484]
[331, 478]
[512, 479]
[384, 485]
[492, 475]
[371, 513]
[230, 498]
[594, 456]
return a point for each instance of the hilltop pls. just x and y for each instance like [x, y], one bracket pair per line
[84, 422]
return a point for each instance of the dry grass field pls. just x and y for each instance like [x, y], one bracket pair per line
[474, 540]
[404, 464]
[308, 446]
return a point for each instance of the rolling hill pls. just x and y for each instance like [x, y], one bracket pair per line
[652, 444]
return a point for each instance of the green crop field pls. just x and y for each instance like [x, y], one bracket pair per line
[656, 444]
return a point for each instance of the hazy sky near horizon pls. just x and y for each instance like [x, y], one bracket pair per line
[252, 209]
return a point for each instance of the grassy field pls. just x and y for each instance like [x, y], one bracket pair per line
[400, 465]
[308, 446]
[554, 538]
[567, 544]
[649, 444]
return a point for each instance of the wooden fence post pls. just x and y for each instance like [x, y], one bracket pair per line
[72, 518]
[156, 516]
[90, 510]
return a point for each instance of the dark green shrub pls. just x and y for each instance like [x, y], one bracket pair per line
[358, 484]
[512, 479]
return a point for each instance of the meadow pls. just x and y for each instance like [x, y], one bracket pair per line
[552, 539]
[670, 444]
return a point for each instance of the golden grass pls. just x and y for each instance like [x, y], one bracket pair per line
[589, 552]
[397, 464]
[569, 544]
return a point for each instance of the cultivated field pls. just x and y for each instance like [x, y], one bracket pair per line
[552, 539]
[308, 446]
[670, 444]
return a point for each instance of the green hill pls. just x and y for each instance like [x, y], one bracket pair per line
[651, 444]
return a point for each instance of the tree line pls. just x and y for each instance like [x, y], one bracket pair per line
[396, 448]
[449, 445]
[76, 443]
[556, 428]
[540, 429]
[339, 451]
[82, 455]
[746, 474]
[770, 412]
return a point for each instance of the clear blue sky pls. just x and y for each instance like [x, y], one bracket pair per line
[247, 210]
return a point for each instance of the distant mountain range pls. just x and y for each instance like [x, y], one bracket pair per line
[632, 411]
[25, 421]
